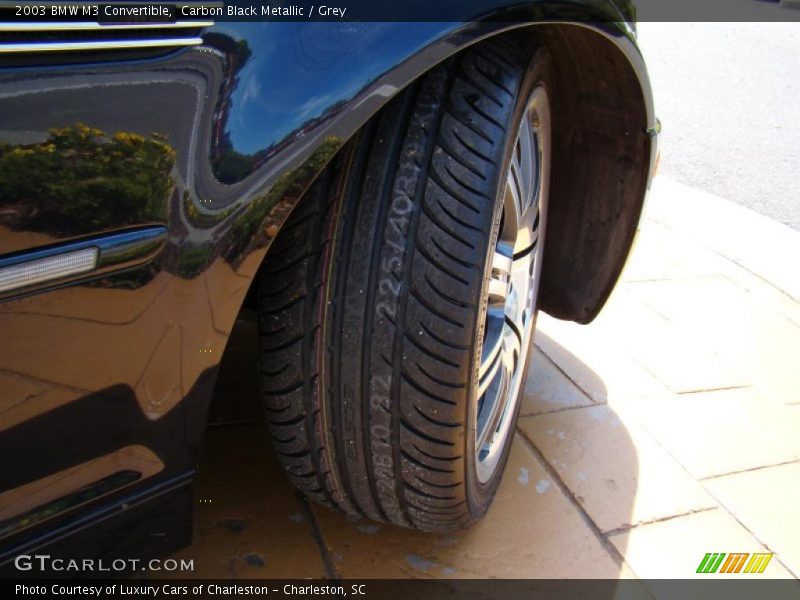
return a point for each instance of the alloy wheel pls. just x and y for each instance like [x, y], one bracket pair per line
[512, 287]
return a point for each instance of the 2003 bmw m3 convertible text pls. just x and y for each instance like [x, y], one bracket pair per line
[395, 200]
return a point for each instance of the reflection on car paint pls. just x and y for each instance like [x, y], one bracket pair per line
[216, 145]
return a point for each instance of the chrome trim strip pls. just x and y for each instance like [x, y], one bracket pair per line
[89, 26]
[44, 270]
[112, 252]
[22, 47]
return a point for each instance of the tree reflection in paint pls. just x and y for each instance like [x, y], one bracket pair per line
[81, 180]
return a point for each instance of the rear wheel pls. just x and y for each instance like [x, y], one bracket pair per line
[398, 304]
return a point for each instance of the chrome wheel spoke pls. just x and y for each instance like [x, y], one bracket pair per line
[500, 378]
[518, 305]
[512, 212]
[500, 279]
[492, 344]
[491, 374]
[492, 415]
[512, 348]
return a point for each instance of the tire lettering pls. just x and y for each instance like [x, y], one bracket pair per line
[392, 264]
[380, 442]
[390, 287]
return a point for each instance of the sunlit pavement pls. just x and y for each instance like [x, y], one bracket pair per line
[727, 96]
[666, 429]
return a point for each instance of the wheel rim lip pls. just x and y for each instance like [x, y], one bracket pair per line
[496, 396]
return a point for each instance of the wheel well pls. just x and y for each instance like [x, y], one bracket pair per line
[599, 173]
[600, 170]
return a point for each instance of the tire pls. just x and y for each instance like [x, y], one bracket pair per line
[379, 303]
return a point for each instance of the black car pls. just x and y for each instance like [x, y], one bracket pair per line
[396, 200]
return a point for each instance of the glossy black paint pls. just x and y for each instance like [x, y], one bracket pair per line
[208, 150]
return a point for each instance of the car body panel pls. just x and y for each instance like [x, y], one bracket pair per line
[105, 379]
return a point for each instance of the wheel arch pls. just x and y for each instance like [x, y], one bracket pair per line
[603, 154]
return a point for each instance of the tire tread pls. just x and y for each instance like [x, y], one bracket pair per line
[368, 302]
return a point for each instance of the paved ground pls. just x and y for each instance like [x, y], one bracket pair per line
[726, 94]
[667, 429]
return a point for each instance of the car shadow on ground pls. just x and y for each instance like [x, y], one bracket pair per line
[558, 500]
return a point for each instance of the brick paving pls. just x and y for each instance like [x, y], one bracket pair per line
[668, 428]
